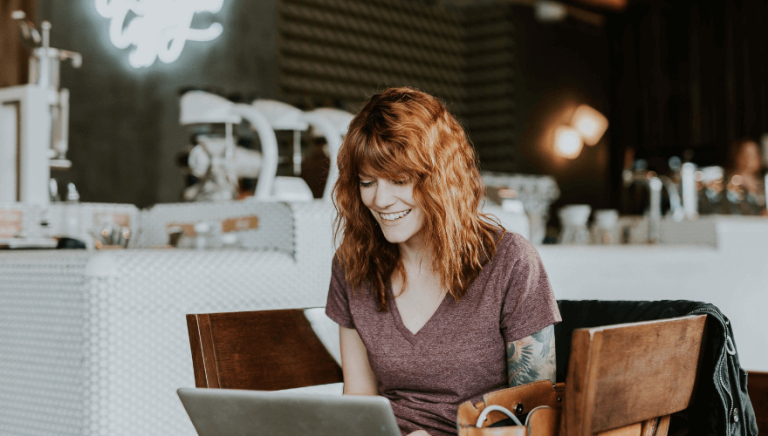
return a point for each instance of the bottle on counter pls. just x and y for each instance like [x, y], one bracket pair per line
[72, 230]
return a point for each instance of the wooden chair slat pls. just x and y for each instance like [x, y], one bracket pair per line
[195, 345]
[628, 373]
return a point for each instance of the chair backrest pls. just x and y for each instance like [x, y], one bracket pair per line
[260, 350]
[627, 374]
[757, 385]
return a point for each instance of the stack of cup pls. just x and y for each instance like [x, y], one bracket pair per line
[574, 219]
[604, 229]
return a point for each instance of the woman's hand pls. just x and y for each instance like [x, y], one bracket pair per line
[419, 433]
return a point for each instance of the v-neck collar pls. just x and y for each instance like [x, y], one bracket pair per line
[407, 334]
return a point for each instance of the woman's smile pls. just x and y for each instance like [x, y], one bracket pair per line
[393, 217]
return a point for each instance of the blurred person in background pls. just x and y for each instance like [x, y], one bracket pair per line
[745, 186]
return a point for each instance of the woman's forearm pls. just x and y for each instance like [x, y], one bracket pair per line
[358, 375]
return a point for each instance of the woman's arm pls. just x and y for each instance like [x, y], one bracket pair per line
[532, 358]
[358, 376]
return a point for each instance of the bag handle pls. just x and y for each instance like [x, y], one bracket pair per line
[530, 414]
[496, 408]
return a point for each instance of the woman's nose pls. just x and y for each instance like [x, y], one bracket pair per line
[384, 195]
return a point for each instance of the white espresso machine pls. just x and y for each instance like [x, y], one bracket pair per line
[34, 120]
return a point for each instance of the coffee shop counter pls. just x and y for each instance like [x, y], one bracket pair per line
[95, 342]
[730, 270]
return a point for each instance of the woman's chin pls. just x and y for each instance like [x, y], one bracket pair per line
[394, 238]
[400, 235]
[395, 235]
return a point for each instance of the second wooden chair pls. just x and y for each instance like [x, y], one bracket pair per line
[259, 350]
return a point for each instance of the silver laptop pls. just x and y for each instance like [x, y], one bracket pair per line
[228, 412]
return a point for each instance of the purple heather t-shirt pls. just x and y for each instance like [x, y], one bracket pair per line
[460, 353]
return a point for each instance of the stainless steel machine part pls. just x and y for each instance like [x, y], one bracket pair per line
[34, 119]
[45, 71]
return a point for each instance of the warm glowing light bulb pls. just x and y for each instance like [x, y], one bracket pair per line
[587, 126]
[590, 123]
[568, 142]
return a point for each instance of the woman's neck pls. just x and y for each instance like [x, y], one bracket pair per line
[414, 252]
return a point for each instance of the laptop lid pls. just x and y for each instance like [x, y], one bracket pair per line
[216, 412]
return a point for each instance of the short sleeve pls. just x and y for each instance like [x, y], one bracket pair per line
[337, 306]
[529, 304]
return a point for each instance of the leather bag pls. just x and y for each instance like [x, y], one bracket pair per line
[541, 401]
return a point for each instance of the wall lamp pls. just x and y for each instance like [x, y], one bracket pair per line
[587, 126]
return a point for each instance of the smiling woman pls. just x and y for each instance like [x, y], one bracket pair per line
[436, 303]
[408, 139]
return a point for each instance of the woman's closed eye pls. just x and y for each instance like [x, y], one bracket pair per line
[368, 183]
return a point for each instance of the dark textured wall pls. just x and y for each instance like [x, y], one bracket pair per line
[343, 51]
[489, 84]
[124, 129]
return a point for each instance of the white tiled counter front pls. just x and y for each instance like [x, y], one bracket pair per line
[732, 274]
[95, 343]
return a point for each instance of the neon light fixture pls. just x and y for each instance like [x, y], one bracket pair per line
[157, 28]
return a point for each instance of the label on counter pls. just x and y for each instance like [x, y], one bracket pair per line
[11, 223]
[239, 224]
[228, 225]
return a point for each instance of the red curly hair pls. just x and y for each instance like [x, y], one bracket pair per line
[406, 134]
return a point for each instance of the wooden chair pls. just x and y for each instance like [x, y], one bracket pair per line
[627, 379]
[757, 384]
[260, 350]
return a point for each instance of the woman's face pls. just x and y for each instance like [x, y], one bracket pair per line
[393, 207]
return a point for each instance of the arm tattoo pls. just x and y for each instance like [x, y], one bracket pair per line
[532, 358]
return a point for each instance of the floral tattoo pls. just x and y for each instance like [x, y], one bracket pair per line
[532, 358]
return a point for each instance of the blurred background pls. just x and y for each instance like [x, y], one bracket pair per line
[675, 79]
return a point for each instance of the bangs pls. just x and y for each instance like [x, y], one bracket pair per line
[375, 157]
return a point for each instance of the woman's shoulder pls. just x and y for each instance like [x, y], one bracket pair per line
[512, 247]
[339, 275]
[337, 268]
